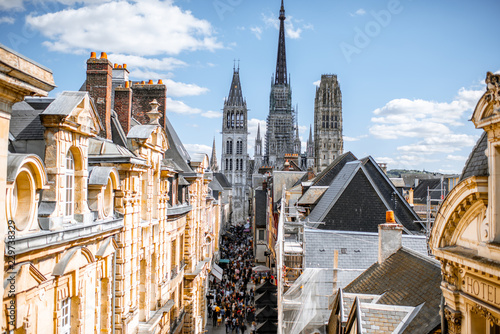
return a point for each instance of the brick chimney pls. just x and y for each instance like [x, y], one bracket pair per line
[99, 86]
[123, 105]
[142, 94]
[389, 237]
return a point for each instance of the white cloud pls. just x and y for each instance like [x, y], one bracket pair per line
[292, 29]
[257, 31]
[7, 19]
[456, 157]
[153, 27]
[252, 129]
[359, 12]
[11, 5]
[317, 83]
[163, 64]
[198, 148]
[180, 107]
[178, 89]
[212, 114]
[431, 130]
[347, 138]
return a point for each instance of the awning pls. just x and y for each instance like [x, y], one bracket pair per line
[217, 272]
[224, 261]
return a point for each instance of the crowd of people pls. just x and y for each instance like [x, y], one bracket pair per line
[231, 300]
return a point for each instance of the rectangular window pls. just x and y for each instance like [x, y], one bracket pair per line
[65, 320]
[261, 235]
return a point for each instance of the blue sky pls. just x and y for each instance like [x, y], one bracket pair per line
[411, 71]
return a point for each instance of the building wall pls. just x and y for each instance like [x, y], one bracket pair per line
[133, 258]
[466, 232]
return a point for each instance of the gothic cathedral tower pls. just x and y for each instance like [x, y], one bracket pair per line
[328, 139]
[234, 147]
[280, 134]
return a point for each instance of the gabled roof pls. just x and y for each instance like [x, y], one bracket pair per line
[328, 174]
[312, 195]
[25, 122]
[223, 180]
[477, 163]
[176, 151]
[357, 199]
[406, 279]
[65, 103]
[420, 192]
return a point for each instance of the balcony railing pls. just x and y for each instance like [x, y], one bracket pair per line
[177, 322]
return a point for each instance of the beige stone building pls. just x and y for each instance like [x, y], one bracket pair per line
[466, 233]
[114, 224]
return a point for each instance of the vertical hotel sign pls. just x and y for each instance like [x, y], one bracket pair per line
[482, 290]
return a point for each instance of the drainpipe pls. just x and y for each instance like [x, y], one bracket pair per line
[113, 294]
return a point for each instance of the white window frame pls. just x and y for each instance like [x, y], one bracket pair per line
[69, 189]
[65, 318]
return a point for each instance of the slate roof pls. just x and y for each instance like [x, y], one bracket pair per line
[477, 163]
[357, 251]
[283, 179]
[25, 122]
[65, 103]
[223, 180]
[312, 195]
[407, 279]
[267, 327]
[420, 192]
[266, 312]
[328, 174]
[357, 199]
[266, 298]
[260, 212]
[176, 151]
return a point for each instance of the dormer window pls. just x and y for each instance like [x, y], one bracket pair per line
[69, 200]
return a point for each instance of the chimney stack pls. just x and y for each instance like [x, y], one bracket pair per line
[143, 94]
[99, 86]
[389, 237]
[123, 106]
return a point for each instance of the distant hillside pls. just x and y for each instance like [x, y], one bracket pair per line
[398, 172]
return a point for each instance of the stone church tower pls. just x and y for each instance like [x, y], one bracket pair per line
[327, 121]
[310, 151]
[257, 155]
[280, 134]
[234, 160]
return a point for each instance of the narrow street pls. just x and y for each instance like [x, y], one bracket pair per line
[231, 307]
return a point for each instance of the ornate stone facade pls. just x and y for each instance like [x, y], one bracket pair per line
[281, 133]
[234, 147]
[328, 140]
[111, 235]
[466, 231]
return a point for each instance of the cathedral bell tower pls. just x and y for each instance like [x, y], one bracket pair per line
[234, 160]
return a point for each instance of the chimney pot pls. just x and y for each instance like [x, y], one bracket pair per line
[92, 54]
[115, 65]
[389, 217]
[127, 84]
[124, 65]
[150, 82]
[119, 66]
[143, 82]
[160, 82]
[104, 55]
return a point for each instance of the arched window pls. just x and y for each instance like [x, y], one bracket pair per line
[232, 120]
[229, 147]
[230, 164]
[108, 199]
[69, 201]
[228, 120]
[226, 165]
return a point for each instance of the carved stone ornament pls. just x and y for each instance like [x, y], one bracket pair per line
[454, 319]
[483, 311]
[492, 95]
[450, 275]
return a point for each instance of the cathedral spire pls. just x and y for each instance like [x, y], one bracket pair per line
[281, 75]
[235, 97]
[310, 134]
[213, 159]
[258, 131]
